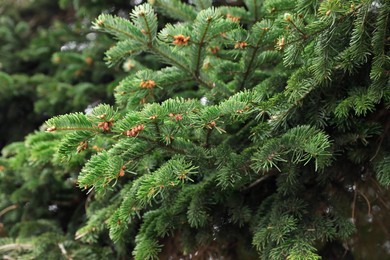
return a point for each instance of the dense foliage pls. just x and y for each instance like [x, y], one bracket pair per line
[240, 131]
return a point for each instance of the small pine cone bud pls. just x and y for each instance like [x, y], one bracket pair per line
[181, 39]
[214, 50]
[101, 116]
[149, 84]
[106, 126]
[130, 133]
[51, 129]
[89, 60]
[100, 22]
[122, 171]
[240, 45]
[82, 146]
[78, 73]
[287, 17]
[178, 117]
[281, 43]
[233, 18]
[56, 59]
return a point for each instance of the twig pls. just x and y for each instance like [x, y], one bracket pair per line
[15, 246]
[354, 204]
[207, 139]
[64, 252]
[304, 35]
[367, 201]
[9, 208]
[376, 183]
[258, 181]
[381, 140]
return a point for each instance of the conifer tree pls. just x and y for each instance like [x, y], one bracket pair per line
[249, 135]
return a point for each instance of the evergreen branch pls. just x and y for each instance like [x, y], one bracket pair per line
[207, 138]
[203, 4]
[162, 145]
[148, 19]
[180, 65]
[122, 50]
[175, 9]
[382, 171]
[268, 175]
[200, 45]
[380, 71]
[254, 8]
[119, 27]
[249, 67]
[264, 26]
[171, 60]
[75, 141]
[16, 246]
[100, 170]
[148, 30]
[92, 129]
[304, 35]
[75, 121]
[138, 157]
[168, 176]
[382, 137]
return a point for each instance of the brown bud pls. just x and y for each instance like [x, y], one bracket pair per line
[180, 40]
[240, 45]
[89, 60]
[178, 117]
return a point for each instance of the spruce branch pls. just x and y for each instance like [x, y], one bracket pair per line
[254, 7]
[175, 9]
[200, 45]
[119, 27]
[203, 4]
[16, 246]
[264, 26]
[167, 56]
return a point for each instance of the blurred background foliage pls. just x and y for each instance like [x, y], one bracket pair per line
[52, 63]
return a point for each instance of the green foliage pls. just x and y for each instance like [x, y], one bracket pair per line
[237, 131]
